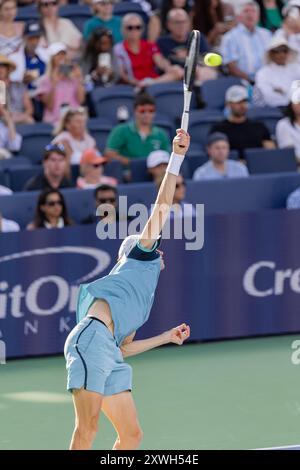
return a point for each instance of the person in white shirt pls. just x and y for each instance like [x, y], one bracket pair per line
[219, 166]
[7, 225]
[157, 162]
[290, 29]
[288, 128]
[273, 81]
[243, 47]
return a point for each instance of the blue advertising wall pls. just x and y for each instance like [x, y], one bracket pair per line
[244, 282]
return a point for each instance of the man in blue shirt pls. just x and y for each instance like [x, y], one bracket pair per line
[109, 311]
[219, 166]
[104, 18]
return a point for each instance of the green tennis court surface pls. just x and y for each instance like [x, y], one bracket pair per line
[227, 395]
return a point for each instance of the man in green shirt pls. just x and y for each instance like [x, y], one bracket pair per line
[139, 138]
[103, 18]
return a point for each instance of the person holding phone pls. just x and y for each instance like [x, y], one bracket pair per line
[98, 59]
[61, 85]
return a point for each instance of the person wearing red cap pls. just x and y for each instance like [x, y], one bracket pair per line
[91, 170]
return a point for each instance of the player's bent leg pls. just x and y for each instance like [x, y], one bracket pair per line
[87, 410]
[120, 409]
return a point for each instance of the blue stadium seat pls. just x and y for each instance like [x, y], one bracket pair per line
[18, 176]
[169, 99]
[114, 169]
[269, 116]
[100, 133]
[35, 138]
[4, 179]
[195, 160]
[270, 161]
[139, 170]
[27, 13]
[14, 162]
[213, 91]
[108, 100]
[78, 14]
[165, 123]
[122, 8]
[201, 123]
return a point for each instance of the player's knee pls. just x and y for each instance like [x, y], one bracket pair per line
[88, 427]
[134, 436]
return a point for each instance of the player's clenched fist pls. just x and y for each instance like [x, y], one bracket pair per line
[181, 142]
[178, 334]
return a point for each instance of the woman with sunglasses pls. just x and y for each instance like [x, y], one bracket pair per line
[109, 311]
[92, 171]
[51, 211]
[273, 81]
[73, 134]
[59, 29]
[140, 61]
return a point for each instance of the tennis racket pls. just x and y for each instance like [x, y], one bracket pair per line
[189, 76]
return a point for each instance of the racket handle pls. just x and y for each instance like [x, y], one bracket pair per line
[185, 121]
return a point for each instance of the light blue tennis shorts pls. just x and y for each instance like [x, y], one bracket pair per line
[94, 361]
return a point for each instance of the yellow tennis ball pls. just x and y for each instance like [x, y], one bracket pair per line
[212, 60]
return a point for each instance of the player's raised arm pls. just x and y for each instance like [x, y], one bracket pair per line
[166, 191]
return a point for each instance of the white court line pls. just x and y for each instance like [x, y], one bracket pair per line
[297, 446]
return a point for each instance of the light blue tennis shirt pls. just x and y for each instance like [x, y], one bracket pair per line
[129, 289]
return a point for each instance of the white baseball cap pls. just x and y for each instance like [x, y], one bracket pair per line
[157, 157]
[55, 48]
[236, 93]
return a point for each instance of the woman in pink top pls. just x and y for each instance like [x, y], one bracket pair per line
[62, 84]
[73, 134]
[91, 170]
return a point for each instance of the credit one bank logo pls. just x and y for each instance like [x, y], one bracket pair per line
[264, 279]
[14, 298]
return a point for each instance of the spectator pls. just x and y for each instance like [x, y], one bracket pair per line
[11, 30]
[30, 64]
[7, 225]
[62, 84]
[293, 201]
[273, 81]
[181, 208]
[137, 139]
[139, 59]
[59, 29]
[219, 165]
[174, 46]
[105, 194]
[104, 18]
[51, 211]
[153, 21]
[54, 170]
[242, 132]
[10, 140]
[99, 60]
[288, 128]
[213, 18]
[91, 170]
[18, 101]
[157, 162]
[73, 134]
[270, 14]
[167, 5]
[243, 47]
[290, 29]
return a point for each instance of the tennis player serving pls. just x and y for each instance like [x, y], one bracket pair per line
[109, 311]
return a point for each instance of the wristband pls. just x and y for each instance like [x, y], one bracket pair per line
[175, 163]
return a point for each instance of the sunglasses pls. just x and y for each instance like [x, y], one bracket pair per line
[48, 4]
[54, 203]
[133, 27]
[283, 50]
[108, 200]
[144, 109]
[178, 185]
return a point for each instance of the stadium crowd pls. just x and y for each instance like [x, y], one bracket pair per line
[93, 79]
